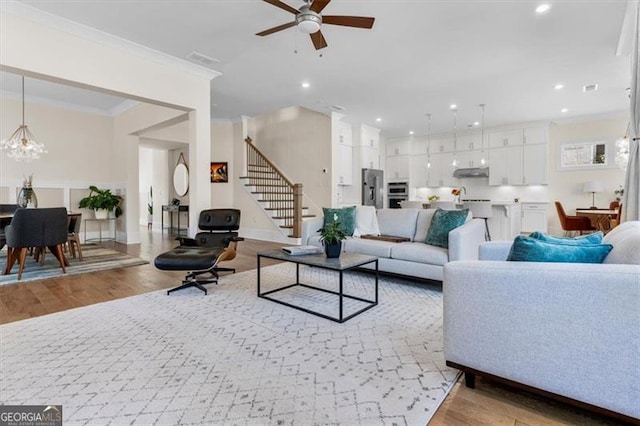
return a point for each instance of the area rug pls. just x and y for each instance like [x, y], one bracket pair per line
[232, 358]
[94, 258]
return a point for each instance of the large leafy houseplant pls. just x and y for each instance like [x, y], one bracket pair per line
[101, 199]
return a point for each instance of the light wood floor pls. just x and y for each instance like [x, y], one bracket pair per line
[487, 404]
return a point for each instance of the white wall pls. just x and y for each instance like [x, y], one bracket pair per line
[222, 146]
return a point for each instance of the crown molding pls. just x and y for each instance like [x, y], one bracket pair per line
[33, 14]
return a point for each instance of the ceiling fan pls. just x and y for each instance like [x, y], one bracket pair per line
[308, 19]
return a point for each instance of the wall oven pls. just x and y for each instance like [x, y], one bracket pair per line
[397, 192]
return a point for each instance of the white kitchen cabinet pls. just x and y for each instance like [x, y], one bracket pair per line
[504, 138]
[398, 167]
[505, 166]
[534, 217]
[470, 142]
[418, 147]
[441, 171]
[419, 171]
[398, 148]
[345, 134]
[439, 145]
[345, 165]
[468, 159]
[370, 137]
[369, 158]
[535, 135]
[535, 162]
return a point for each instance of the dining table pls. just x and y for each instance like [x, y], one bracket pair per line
[600, 218]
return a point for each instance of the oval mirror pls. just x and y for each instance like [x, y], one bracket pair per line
[181, 179]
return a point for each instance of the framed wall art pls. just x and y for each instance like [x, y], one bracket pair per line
[219, 172]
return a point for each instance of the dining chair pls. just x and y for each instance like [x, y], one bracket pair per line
[5, 209]
[573, 223]
[615, 220]
[73, 241]
[36, 228]
[481, 210]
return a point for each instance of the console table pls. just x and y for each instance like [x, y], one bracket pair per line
[171, 209]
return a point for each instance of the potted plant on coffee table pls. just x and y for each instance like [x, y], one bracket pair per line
[102, 201]
[331, 236]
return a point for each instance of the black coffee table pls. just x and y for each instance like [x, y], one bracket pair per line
[345, 262]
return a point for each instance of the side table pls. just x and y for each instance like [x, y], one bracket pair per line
[171, 209]
[100, 222]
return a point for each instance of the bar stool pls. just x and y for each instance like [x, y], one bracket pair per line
[481, 210]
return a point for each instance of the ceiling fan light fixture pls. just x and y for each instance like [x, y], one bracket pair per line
[308, 21]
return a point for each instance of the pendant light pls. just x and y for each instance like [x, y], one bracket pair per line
[483, 160]
[22, 145]
[428, 141]
[454, 163]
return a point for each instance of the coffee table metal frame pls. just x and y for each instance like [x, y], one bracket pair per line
[346, 262]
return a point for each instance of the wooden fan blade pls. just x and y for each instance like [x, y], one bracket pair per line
[276, 29]
[318, 5]
[349, 21]
[318, 40]
[283, 6]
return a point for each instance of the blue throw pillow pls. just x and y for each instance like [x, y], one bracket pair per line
[527, 249]
[346, 218]
[443, 222]
[595, 238]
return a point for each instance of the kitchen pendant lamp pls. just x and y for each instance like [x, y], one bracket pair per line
[22, 146]
[428, 141]
[454, 163]
[483, 161]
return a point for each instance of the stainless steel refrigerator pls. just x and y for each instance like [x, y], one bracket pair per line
[372, 188]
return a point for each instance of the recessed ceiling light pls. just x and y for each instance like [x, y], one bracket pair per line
[378, 119]
[453, 106]
[305, 85]
[559, 86]
[543, 8]
[410, 132]
[476, 123]
[564, 110]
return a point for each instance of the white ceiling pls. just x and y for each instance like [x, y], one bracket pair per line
[420, 57]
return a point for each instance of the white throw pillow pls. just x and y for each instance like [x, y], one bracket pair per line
[366, 221]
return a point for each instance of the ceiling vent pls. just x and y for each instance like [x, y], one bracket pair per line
[201, 59]
[337, 107]
[590, 88]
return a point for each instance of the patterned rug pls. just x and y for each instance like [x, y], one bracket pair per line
[232, 358]
[94, 258]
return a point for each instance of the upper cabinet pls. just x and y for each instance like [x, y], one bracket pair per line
[345, 134]
[402, 147]
[503, 138]
[369, 137]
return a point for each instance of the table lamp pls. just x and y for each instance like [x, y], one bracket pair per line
[593, 187]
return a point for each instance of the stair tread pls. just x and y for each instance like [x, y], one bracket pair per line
[260, 178]
[267, 185]
[291, 217]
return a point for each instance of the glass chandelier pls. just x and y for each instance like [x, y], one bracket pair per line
[22, 145]
[483, 160]
[622, 150]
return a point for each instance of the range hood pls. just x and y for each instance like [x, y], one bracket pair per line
[472, 172]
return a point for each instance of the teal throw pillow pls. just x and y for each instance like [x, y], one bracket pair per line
[346, 218]
[443, 222]
[527, 249]
[595, 238]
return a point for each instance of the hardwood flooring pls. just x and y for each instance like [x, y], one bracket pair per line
[488, 404]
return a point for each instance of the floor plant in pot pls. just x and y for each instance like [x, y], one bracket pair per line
[101, 200]
[331, 236]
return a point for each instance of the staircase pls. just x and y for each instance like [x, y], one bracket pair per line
[280, 199]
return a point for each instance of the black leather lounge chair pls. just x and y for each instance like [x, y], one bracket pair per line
[202, 254]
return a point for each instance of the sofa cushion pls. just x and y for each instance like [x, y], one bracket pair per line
[345, 216]
[422, 224]
[443, 222]
[595, 238]
[398, 222]
[625, 250]
[620, 231]
[369, 247]
[527, 249]
[366, 221]
[420, 252]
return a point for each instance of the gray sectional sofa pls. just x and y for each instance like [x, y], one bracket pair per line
[568, 329]
[412, 258]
